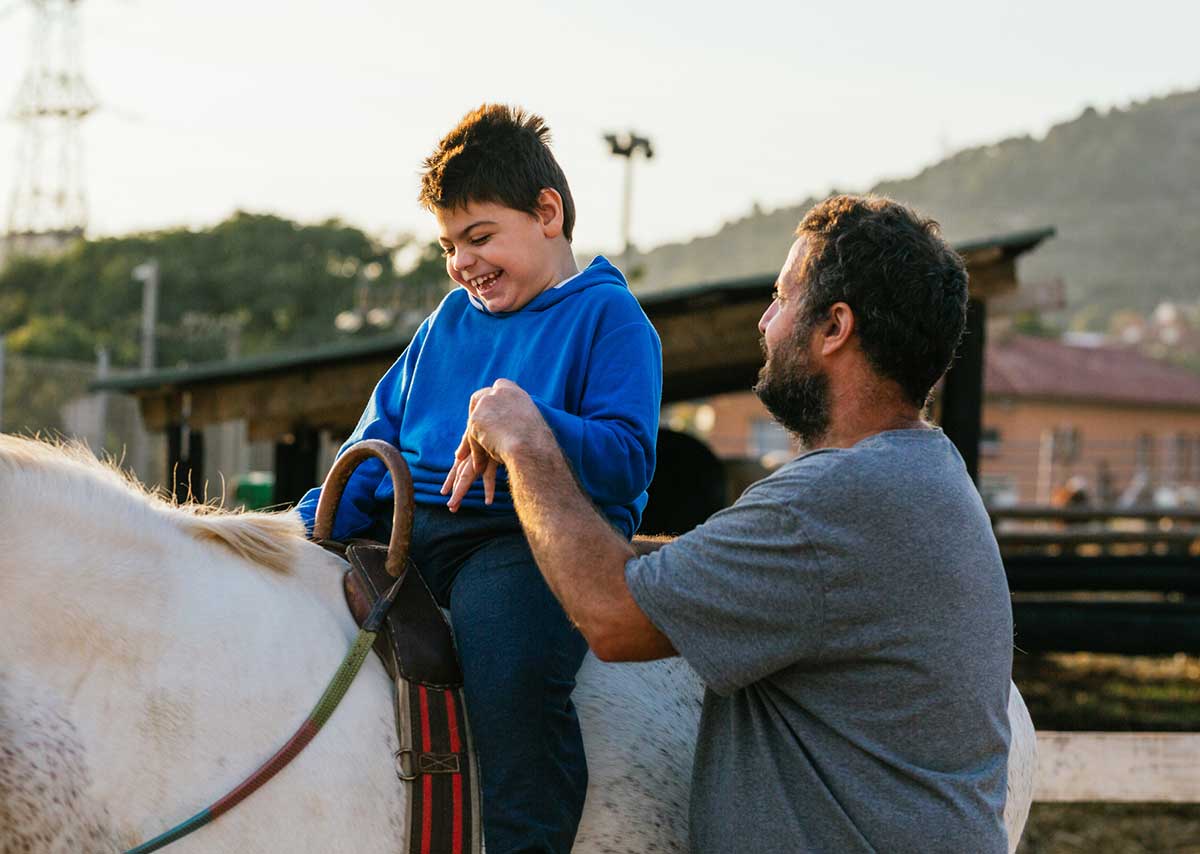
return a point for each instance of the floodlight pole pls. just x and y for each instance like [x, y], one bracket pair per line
[627, 145]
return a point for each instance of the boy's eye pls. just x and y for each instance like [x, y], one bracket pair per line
[447, 251]
[479, 241]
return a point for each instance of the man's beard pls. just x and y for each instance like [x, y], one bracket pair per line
[796, 395]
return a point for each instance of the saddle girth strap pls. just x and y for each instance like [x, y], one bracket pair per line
[437, 761]
[436, 757]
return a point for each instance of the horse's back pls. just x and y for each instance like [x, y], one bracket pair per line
[639, 729]
[640, 723]
[1022, 767]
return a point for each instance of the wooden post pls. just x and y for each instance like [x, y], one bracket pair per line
[296, 464]
[185, 462]
[962, 394]
[1045, 467]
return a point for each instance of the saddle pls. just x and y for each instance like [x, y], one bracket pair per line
[435, 759]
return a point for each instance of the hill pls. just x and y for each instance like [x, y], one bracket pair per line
[1121, 188]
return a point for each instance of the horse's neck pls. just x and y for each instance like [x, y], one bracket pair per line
[181, 667]
[110, 605]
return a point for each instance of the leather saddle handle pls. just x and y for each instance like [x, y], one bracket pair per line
[402, 514]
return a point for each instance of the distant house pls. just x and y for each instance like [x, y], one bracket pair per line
[1116, 424]
[1108, 422]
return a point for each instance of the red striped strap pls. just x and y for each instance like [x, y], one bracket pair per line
[444, 816]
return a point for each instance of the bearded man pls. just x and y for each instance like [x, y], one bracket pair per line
[849, 614]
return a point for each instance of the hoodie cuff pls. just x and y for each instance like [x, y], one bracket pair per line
[567, 429]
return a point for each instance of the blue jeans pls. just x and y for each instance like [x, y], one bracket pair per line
[519, 655]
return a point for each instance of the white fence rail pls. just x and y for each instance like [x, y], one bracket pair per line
[1151, 767]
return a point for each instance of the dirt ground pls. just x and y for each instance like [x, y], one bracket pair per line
[1084, 691]
[1112, 829]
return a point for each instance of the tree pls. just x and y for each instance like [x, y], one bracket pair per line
[251, 284]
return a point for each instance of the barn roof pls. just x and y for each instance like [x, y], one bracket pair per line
[694, 316]
[1024, 366]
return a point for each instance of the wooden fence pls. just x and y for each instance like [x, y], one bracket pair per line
[1103, 579]
[1151, 767]
[1107, 580]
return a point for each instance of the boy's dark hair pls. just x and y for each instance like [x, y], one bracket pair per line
[497, 154]
[906, 286]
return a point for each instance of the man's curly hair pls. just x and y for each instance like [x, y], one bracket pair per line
[496, 154]
[906, 286]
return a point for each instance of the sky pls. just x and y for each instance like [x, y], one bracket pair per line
[321, 109]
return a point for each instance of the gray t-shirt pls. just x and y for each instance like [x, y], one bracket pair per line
[851, 619]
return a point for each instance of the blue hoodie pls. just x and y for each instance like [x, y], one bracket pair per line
[583, 350]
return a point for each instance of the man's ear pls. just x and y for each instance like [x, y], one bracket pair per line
[549, 212]
[837, 329]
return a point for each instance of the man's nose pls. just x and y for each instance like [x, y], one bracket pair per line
[766, 317]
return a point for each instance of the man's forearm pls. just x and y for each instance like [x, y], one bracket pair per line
[581, 556]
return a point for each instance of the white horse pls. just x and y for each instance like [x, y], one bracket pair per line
[152, 655]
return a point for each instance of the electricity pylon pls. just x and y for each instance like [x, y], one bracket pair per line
[48, 205]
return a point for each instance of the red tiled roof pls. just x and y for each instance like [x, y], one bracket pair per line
[1025, 366]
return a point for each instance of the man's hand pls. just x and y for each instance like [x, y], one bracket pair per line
[499, 419]
[581, 556]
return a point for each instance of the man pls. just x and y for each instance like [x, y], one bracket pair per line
[849, 614]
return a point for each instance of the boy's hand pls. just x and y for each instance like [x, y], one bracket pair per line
[499, 420]
[465, 471]
[470, 461]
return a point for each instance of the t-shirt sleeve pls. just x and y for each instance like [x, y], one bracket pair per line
[739, 597]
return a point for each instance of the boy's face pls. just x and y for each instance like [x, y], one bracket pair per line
[503, 257]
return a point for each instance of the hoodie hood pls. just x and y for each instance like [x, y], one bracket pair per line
[599, 272]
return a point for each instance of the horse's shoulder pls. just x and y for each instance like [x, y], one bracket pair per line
[44, 779]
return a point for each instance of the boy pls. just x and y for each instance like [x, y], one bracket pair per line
[580, 344]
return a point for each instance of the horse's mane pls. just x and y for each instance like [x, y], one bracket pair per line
[268, 539]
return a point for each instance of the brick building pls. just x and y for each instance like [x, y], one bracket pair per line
[1124, 426]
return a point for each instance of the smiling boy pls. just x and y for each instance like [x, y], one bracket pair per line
[580, 344]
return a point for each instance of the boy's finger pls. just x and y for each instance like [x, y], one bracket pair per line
[461, 453]
[450, 475]
[466, 476]
[489, 482]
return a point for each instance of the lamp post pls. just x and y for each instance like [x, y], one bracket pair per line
[627, 145]
[2, 345]
[147, 274]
